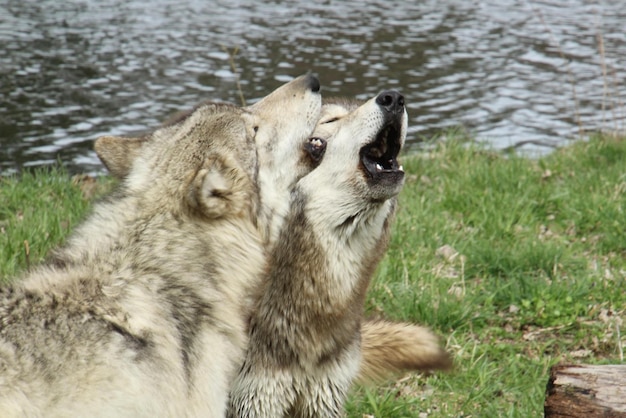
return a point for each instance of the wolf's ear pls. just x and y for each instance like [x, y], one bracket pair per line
[118, 153]
[216, 190]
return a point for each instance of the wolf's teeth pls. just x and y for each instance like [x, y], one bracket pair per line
[379, 167]
[316, 141]
[401, 168]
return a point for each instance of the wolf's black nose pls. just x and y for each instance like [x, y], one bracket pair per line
[314, 83]
[391, 100]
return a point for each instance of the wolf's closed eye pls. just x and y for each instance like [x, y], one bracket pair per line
[330, 120]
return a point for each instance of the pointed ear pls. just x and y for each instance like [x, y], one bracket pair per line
[217, 190]
[118, 153]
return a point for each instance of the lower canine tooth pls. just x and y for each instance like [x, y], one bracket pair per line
[379, 167]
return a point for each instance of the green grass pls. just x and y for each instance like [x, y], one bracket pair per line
[534, 273]
[37, 211]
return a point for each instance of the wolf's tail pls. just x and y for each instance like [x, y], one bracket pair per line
[389, 348]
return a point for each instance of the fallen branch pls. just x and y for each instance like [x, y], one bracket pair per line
[586, 391]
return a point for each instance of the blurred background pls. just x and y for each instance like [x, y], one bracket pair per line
[527, 75]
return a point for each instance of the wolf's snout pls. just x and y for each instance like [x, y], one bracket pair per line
[313, 83]
[391, 100]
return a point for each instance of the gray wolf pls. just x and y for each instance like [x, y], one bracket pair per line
[305, 341]
[143, 312]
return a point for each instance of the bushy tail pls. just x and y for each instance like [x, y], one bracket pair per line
[389, 348]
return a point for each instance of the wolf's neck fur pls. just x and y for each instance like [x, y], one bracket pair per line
[276, 180]
[273, 208]
[350, 233]
[320, 269]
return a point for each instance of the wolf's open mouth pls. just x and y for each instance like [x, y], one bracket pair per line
[316, 148]
[379, 157]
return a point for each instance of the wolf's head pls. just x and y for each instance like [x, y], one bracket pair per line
[207, 161]
[179, 182]
[360, 166]
[353, 190]
[267, 141]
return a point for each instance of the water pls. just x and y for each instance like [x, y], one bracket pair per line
[514, 73]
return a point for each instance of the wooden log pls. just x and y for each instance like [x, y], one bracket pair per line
[586, 391]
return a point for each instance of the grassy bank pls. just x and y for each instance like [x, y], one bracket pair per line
[38, 211]
[517, 263]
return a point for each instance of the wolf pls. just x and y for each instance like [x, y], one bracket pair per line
[143, 312]
[305, 345]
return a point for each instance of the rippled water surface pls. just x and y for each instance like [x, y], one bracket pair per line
[514, 73]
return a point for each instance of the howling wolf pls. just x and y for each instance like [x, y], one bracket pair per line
[305, 339]
[143, 313]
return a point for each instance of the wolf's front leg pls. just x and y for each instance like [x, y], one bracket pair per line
[261, 394]
[322, 390]
[321, 398]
